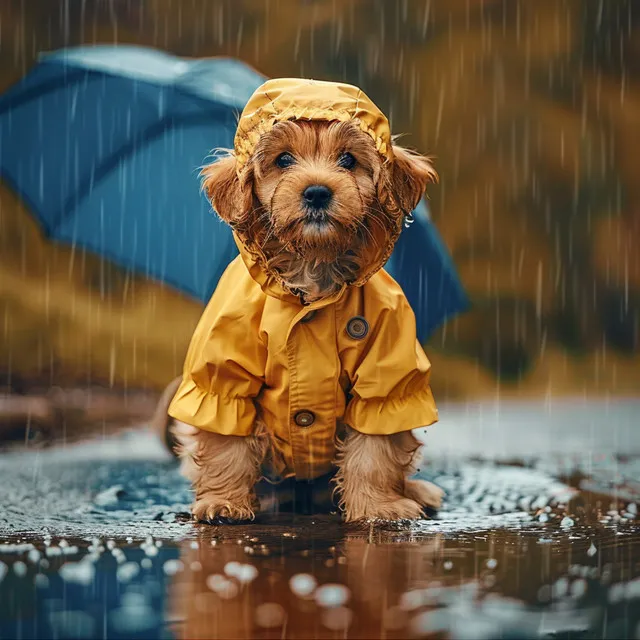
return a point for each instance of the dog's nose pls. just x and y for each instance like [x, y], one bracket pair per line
[317, 196]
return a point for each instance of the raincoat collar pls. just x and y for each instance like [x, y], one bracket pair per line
[270, 283]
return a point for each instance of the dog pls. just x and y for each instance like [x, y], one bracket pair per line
[305, 361]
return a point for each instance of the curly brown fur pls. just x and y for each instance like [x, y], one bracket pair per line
[222, 469]
[372, 477]
[264, 204]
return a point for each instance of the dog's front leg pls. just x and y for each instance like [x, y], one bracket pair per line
[223, 471]
[372, 478]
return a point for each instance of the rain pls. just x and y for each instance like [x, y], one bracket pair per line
[520, 265]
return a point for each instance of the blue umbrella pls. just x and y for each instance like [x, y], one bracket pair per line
[104, 144]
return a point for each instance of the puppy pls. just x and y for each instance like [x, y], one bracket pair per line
[305, 361]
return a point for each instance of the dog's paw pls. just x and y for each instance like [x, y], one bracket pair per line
[401, 509]
[213, 509]
[398, 509]
[425, 493]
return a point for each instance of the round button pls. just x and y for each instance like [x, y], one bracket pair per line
[357, 327]
[304, 418]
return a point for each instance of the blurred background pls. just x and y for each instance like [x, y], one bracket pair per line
[532, 112]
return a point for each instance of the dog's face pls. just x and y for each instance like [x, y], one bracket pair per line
[317, 197]
[318, 183]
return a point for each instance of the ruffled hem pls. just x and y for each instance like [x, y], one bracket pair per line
[384, 416]
[211, 412]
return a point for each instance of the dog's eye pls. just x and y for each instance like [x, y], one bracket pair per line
[346, 161]
[285, 160]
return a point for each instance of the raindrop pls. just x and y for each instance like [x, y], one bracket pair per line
[243, 573]
[578, 588]
[34, 555]
[171, 567]
[616, 592]
[127, 571]
[592, 550]
[332, 595]
[222, 586]
[560, 588]
[78, 572]
[303, 584]
[231, 568]
[118, 554]
[20, 569]
[41, 581]
[567, 522]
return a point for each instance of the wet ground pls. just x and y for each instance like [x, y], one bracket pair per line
[539, 537]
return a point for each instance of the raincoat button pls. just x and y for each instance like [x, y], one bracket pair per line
[304, 418]
[310, 316]
[357, 327]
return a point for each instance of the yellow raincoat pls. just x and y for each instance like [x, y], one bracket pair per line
[258, 352]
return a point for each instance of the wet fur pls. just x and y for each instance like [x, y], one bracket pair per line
[263, 204]
[223, 471]
[372, 478]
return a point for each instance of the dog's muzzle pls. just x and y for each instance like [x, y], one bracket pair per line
[316, 199]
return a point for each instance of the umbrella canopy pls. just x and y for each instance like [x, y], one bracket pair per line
[104, 144]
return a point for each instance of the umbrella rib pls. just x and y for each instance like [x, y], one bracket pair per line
[17, 96]
[26, 95]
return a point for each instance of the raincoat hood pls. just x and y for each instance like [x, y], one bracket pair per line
[301, 99]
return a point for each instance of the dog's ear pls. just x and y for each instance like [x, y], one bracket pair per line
[230, 195]
[409, 175]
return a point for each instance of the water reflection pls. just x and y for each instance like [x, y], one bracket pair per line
[310, 577]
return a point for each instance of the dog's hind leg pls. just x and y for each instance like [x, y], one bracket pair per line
[161, 422]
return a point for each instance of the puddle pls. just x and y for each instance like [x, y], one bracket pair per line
[93, 544]
[308, 576]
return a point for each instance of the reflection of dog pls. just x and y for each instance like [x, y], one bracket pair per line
[306, 333]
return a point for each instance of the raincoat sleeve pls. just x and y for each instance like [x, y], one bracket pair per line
[390, 389]
[225, 363]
